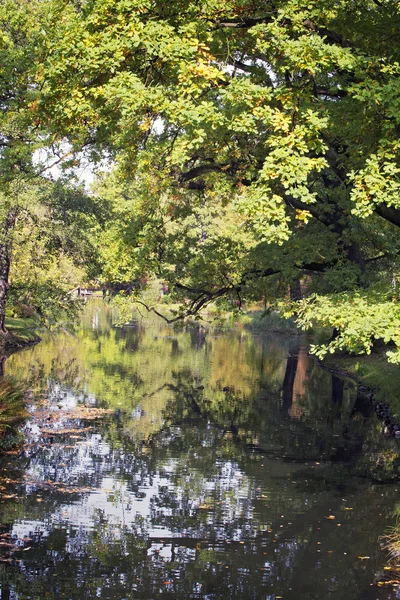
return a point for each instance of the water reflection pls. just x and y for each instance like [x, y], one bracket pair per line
[165, 463]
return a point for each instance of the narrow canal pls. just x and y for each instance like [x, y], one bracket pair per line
[183, 463]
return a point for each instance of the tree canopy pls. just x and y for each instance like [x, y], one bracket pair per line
[254, 147]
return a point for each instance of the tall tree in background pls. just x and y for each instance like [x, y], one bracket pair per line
[18, 40]
[54, 250]
[49, 224]
[283, 112]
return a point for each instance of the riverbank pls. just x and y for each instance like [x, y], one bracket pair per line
[21, 333]
[372, 372]
[378, 380]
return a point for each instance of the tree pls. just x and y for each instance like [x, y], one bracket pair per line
[282, 113]
[55, 250]
[17, 42]
[21, 132]
[45, 225]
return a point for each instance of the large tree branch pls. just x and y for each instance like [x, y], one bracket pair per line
[203, 297]
[325, 219]
[331, 36]
[389, 213]
[242, 23]
[201, 170]
[337, 93]
[248, 22]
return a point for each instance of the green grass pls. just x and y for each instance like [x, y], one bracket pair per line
[260, 320]
[23, 329]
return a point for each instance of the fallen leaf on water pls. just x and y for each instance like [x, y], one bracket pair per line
[363, 557]
[395, 582]
[330, 517]
[347, 508]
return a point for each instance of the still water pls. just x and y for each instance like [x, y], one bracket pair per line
[190, 463]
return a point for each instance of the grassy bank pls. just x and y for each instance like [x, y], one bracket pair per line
[256, 319]
[22, 332]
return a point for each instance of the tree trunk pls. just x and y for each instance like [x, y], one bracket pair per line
[6, 235]
[295, 290]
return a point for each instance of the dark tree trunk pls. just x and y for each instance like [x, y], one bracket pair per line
[295, 290]
[6, 235]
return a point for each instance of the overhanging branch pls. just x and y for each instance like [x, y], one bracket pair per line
[389, 213]
[203, 297]
[201, 170]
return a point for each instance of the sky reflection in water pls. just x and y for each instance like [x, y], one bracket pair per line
[230, 466]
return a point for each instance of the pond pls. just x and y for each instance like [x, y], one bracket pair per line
[186, 462]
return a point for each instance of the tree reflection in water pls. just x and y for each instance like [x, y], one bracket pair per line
[214, 477]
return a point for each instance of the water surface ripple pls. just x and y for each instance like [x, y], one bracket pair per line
[192, 463]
